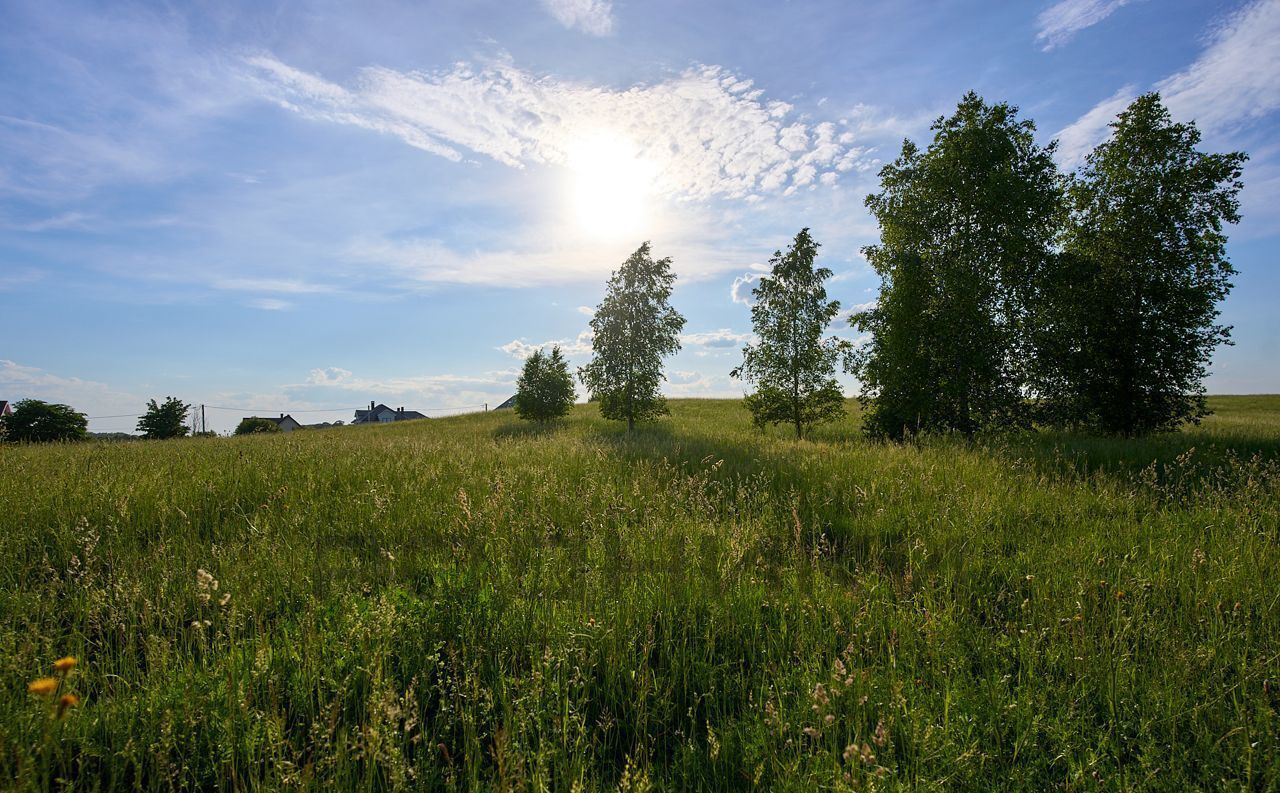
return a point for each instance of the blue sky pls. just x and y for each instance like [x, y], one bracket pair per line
[308, 206]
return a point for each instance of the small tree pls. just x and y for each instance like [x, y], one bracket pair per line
[793, 365]
[634, 328]
[34, 421]
[1127, 320]
[166, 420]
[254, 425]
[545, 390]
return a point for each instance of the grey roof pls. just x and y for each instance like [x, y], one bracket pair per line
[368, 416]
[274, 419]
[510, 403]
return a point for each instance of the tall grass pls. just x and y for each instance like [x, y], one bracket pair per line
[471, 603]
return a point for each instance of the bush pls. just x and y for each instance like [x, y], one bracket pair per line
[545, 390]
[250, 426]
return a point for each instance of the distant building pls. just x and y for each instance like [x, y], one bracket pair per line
[510, 403]
[381, 414]
[285, 423]
[5, 410]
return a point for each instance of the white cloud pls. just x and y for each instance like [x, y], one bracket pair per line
[87, 396]
[269, 304]
[1237, 77]
[722, 337]
[332, 375]
[282, 285]
[1059, 23]
[586, 311]
[520, 348]
[1076, 140]
[740, 290]
[705, 132]
[589, 16]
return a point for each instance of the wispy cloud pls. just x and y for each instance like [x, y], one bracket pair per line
[589, 16]
[1059, 23]
[269, 304]
[94, 398]
[1237, 77]
[1234, 80]
[704, 133]
[1077, 139]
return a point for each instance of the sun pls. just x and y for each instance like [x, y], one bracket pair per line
[611, 189]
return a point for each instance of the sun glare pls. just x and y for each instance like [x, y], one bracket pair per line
[611, 190]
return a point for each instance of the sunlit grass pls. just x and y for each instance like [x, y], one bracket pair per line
[471, 602]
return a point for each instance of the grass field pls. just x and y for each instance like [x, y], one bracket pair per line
[472, 603]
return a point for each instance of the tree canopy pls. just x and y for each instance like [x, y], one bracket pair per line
[545, 389]
[966, 228]
[165, 420]
[793, 364]
[1127, 320]
[34, 421]
[634, 328]
[254, 425]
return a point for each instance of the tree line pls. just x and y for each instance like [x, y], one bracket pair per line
[1011, 294]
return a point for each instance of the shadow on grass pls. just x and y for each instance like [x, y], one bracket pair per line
[528, 429]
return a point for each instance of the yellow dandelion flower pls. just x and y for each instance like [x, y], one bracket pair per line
[65, 664]
[67, 702]
[44, 687]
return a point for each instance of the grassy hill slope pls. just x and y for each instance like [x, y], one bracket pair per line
[471, 602]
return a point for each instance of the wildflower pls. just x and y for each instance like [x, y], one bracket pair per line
[828, 719]
[44, 687]
[226, 598]
[66, 664]
[812, 732]
[881, 737]
[867, 756]
[67, 702]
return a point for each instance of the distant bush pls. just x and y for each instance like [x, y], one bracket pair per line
[254, 425]
[34, 421]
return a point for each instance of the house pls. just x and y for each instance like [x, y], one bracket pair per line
[5, 410]
[285, 423]
[510, 403]
[381, 414]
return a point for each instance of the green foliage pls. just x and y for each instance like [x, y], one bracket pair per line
[634, 327]
[545, 389]
[965, 232]
[254, 424]
[1127, 321]
[444, 605]
[164, 421]
[793, 366]
[34, 421]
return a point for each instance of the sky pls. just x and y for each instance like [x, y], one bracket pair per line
[301, 207]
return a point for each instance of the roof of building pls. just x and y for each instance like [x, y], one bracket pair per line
[400, 414]
[4, 406]
[275, 419]
[510, 403]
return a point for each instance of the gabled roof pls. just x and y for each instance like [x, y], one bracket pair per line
[510, 403]
[4, 407]
[274, 419]
[371, 415]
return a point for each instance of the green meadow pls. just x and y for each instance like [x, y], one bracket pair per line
[473, 603]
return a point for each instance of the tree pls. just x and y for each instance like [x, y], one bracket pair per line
[34, 421]
[545, 389]
[634, 328]
[793, 366]
[166, 420]
[966, 228]
[1127, 325]
[254, 425]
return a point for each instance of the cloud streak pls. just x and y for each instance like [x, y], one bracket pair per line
[706, 132]
[1059, 23]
